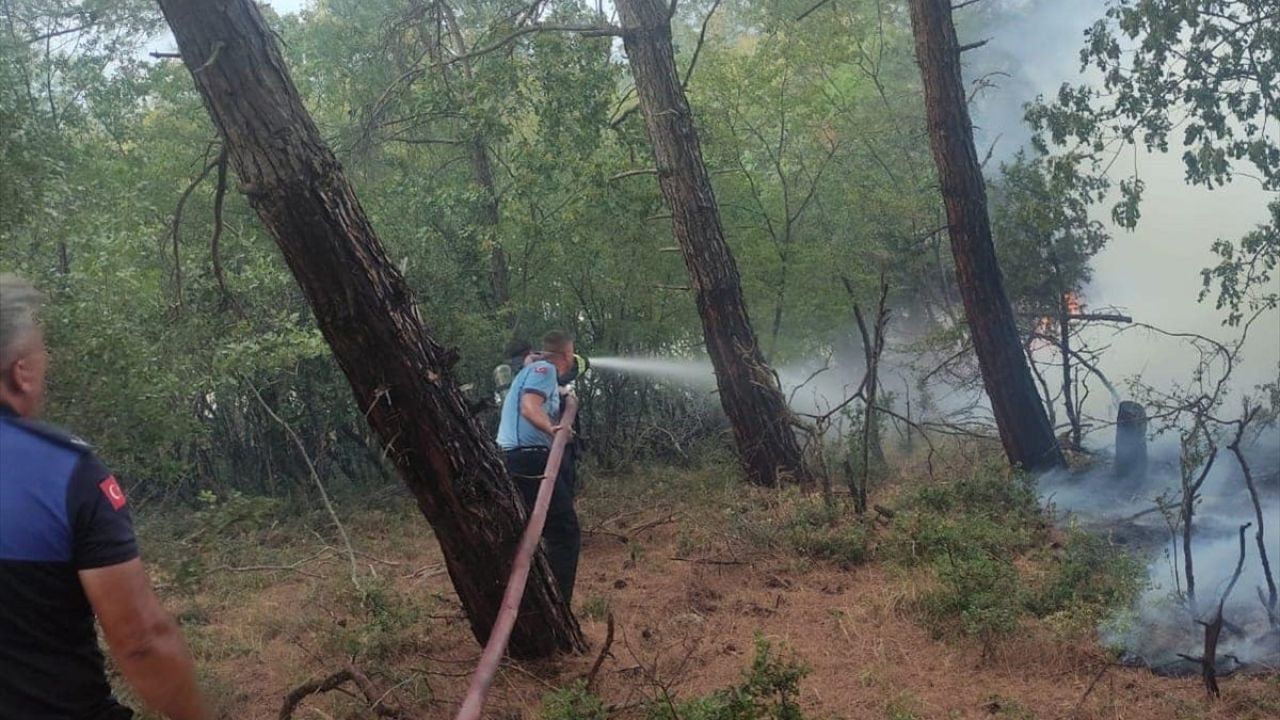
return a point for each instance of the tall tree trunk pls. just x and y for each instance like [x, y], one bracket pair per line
[1020, 416]
[749, 391]
[400, 376]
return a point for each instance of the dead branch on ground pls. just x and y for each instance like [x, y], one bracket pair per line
[604, 651]
[377, 699]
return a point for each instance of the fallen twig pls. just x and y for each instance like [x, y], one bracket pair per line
[1089, 690]
[604, 651]
[377, 700]
[292, 567]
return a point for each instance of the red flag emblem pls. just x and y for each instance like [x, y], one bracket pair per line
[112, 490]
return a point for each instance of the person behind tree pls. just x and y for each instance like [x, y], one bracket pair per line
[530, 419]
[519, 353]
[67, 554]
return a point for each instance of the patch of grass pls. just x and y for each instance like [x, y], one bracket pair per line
[382, 622]
[986, 540]
[595, 607]
[1003, 707]
[903, 707]
[768, 691]
[807, 527]
[1255, 703]
[573, 703]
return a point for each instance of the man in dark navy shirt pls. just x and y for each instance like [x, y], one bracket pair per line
[68, 553]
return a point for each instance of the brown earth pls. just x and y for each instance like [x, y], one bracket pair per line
[689, 598]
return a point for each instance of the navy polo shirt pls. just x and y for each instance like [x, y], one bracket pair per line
[61, 511]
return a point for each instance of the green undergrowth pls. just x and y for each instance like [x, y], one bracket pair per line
[769, 690]
[806, 527]
[996, 563]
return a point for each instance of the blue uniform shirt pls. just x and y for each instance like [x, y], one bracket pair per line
[515, 430]
[61, 512]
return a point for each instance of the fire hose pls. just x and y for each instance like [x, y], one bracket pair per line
[496, 647]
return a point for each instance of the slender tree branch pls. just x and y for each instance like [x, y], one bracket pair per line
[176, 225]
[697, 50]
[812, 9]
[584, 30]
[315, 477]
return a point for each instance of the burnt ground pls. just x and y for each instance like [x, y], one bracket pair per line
[269, 606]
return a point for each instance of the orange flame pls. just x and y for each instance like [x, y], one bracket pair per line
[1073, 302]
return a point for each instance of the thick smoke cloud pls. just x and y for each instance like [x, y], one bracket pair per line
[1154, 274]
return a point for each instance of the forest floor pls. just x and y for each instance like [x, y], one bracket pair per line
[692, 576]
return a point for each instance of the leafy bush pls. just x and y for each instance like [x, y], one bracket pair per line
[972, 529]
[575, 702]
[985, 513]
[768, 692]
[845, 545]
[1089, 579]
[979, 595]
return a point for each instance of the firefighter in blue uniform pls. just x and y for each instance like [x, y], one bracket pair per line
[530, 420]
[67, 554]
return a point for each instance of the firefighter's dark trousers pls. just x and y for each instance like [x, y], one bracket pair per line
[561, 535]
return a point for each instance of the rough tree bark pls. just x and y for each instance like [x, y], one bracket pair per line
[749, 390]
[1020, 416]
[400, 376]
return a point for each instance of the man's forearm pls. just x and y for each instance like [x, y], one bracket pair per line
[163, 673]
[538, 417]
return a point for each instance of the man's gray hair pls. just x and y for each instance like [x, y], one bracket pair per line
[19, 306]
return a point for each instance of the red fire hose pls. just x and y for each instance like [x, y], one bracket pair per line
[506, 620]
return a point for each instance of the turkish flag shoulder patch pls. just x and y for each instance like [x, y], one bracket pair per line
[112, 490]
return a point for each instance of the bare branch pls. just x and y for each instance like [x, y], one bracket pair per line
[584, 30]
[604, 651]
[633, 173]
[973, 45]
[811, 10]
[219, 194]
[697, 50]
[315, 477]
[176, 225]
[1270, 601]
[377, 700]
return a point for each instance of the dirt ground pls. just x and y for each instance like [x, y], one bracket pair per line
[688, 603]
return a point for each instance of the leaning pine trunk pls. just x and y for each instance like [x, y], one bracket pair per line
[1020, 415]
[749, 391]
[401, 377]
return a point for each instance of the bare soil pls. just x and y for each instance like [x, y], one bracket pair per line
[688, 601]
